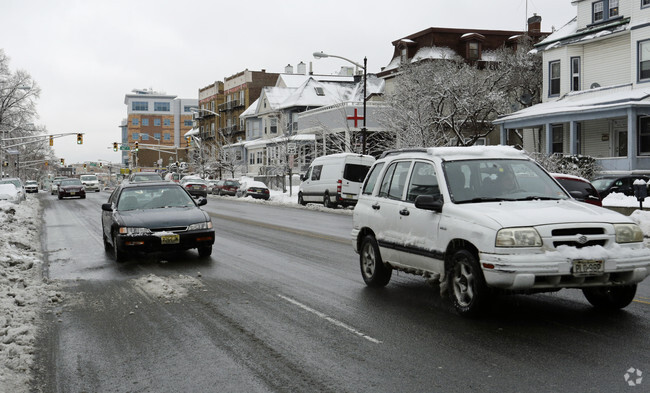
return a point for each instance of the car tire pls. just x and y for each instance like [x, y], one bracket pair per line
[374, 272]
[205, 252]
[610, 298]
[327, 202]
[467, 288]
[107, 245]
[118, 254]
[301, 200]
[60, 197]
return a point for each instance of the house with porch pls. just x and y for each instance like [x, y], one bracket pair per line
[596, 92]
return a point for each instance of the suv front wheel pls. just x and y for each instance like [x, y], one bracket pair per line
[610, 298]
[467, 287]
[373, 270]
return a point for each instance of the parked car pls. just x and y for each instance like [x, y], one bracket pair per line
[18, 184]
[228, 187]
[579, 188]
[155, 216]
[617, 183]
[254, 189]
[31, 186]
[334, 179]
[71, 187]
[54, 187]
[143, 176]
[196, 187]
[90, 182]
[173, 176]
[9, 192]
[435, 213]
[211, 185]
[217, 186]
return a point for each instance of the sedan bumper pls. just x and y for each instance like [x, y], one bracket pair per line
[165, 241]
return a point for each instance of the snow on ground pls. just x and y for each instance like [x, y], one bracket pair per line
[24, 294]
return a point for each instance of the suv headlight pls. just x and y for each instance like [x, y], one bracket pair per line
[518, 237]
[134, 231]
[200, 225]
[628, 233]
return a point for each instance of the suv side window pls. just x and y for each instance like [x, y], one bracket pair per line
[394, 180]
[371, 181]
[423, 181]
[315, 172]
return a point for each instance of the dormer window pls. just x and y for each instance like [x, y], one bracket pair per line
[404, 55]
[473, 50]
[319, 91]
[613, 8]
[598, 11]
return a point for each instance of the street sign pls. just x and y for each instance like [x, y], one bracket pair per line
[125, 147]
[291, 148]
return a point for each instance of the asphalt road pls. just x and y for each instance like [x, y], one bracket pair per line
[281, 307]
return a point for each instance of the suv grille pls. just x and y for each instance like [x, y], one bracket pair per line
[579, 237]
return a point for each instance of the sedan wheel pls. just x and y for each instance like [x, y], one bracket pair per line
[118, 254]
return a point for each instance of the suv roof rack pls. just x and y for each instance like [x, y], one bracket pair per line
[405, 150]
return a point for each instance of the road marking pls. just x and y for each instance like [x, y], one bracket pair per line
[640, 301]
[331, 320]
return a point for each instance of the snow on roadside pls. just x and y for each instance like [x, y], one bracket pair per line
[22, 291]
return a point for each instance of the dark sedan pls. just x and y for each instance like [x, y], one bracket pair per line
[155, 216]
[196, 187]
[579, 188]
[71, 188]
[623, 184]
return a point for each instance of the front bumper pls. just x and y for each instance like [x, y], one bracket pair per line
[149, 243]
[551, 271]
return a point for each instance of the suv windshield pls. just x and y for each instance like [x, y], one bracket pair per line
[499, 180]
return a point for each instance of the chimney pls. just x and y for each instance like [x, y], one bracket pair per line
[535, 24]
[288, 69]
[301, 68]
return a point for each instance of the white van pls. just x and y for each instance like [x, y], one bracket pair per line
[334, 179]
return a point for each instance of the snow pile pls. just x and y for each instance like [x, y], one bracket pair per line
[22, 291]
[617, 199]
[166, 288]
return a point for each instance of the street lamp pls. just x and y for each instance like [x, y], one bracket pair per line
[364, 130]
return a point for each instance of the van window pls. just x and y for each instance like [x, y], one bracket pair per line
[355, 172]
[315, 172]
[369, 187]
[423, 182]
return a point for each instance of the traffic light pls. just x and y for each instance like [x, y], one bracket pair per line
[46, 163]
[101, 165]
[51, 141]
[114, 146]
[84, 165]
[188, 140]
[62, 161]
[136, 146]
[80, 139]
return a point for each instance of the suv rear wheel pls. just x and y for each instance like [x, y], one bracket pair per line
[610, 298]
[373, 270]
[467, 287]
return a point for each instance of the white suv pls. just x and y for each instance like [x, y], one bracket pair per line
[483, 220]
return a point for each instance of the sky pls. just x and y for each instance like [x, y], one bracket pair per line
[86, 55]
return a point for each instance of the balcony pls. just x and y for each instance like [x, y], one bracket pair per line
[227, 106]
[229, 130]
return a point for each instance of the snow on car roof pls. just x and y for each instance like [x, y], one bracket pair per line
[473, 152]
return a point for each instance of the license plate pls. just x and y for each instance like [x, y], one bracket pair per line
[170, 239]
[587, 267]
[72, 193]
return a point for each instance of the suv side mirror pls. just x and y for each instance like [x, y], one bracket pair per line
[428, 202]
[302, 177]
[107, 207]
[202, 201]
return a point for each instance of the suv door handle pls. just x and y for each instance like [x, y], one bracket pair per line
[376, 206]
[404, 212]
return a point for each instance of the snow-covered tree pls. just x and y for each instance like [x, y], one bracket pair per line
[449, 101]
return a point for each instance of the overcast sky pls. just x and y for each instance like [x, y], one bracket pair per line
[86, 55]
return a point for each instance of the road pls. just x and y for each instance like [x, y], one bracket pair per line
[281, 307]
